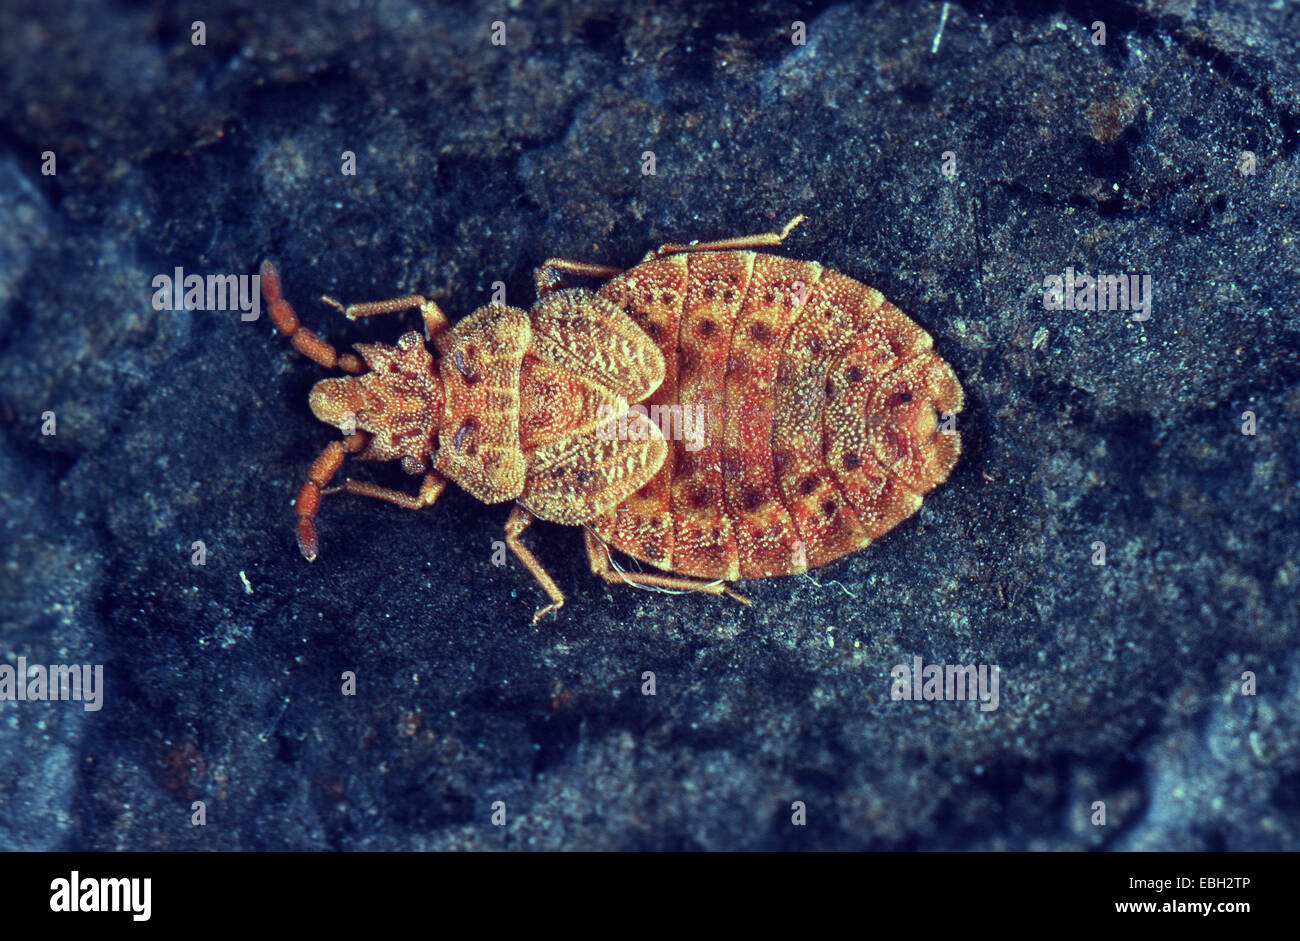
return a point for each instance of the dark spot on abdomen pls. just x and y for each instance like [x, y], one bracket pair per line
[466, 430]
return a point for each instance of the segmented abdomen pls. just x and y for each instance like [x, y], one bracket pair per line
[816, 401]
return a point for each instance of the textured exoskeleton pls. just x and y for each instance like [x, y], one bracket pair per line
[800, 407]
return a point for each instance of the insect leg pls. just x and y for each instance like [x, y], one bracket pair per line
[743, 241]
[548, 276]
[435, 321]
[307, 503]
[300, 338]
[598, 557]
[519, 520]
[431, 489]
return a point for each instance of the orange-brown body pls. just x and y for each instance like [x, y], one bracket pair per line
[820, 399]
[718, 413]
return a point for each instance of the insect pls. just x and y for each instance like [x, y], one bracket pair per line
[713, 411]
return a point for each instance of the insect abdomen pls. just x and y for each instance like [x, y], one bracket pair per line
[818, 400]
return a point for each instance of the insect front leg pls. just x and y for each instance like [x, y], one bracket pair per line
[327, 465]
[435, 321]
[519, 520]
[431, 489]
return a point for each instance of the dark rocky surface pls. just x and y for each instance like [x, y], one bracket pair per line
[1119, 683]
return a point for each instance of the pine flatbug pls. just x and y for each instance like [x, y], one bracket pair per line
[814, 403]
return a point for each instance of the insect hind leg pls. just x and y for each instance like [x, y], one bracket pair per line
[721, 245]
[598, 558]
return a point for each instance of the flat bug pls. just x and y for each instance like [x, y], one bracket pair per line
[715, 412]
